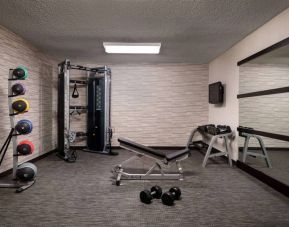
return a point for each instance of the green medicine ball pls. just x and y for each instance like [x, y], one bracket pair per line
[20, 73]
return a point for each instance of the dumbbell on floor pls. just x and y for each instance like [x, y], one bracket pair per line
[169, 197]
[146, 196]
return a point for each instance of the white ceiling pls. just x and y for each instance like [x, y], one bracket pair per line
[191, 31]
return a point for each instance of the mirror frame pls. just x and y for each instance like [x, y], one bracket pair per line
[272, 182]
[275, 46]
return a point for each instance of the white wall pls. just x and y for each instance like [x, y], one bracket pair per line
[224, 68]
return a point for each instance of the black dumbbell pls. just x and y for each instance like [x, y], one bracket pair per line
[146, 196]
[169, 197]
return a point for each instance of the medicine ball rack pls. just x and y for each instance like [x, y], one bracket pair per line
[16, 183]
[99, 133]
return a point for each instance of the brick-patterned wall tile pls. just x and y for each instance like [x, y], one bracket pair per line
[257, 77]
[78, 122]
[157, 105]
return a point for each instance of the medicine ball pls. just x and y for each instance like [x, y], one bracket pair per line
[20, 73]
[24, 126]
[18, 89]
[26, 171]
[25, 147]
[20, 105]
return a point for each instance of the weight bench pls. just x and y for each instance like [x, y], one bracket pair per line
[162, 160]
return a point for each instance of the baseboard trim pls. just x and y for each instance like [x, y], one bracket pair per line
[267, 148]
[157, 147]
[9, 171]
[153, 147]
[270, 181]
[77, 147]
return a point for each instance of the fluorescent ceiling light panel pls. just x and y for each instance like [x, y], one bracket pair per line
[132, 48]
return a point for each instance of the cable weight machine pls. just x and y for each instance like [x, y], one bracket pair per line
[97, 109]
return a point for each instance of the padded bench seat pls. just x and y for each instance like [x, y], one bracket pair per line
[176, 154]
[169, 157]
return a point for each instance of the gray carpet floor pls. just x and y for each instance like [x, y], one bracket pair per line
[82, 194]
[279, 161]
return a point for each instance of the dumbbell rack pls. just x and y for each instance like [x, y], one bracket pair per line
[21, 186]
[209, 148]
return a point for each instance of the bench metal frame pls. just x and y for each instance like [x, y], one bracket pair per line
[160, 164]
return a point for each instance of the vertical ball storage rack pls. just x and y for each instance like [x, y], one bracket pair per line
[15, 183]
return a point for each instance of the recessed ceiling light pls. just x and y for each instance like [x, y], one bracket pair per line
[132, 48]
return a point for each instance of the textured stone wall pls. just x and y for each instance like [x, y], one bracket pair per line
[158, 105]
[41, 93]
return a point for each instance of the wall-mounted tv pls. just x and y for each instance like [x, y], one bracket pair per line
[216, 93]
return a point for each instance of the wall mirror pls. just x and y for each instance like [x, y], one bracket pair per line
[264, 111]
